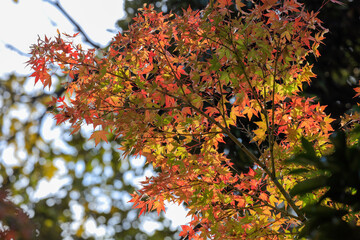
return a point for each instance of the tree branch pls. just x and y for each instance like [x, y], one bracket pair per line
[15, 49]
[73, 22]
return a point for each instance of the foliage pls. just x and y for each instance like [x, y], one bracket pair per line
[172, 89]
[335, 79]
[15, 223]
[334, 213]
[176, 6]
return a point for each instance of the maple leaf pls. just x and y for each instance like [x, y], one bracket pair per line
[260, 133]
[159, 206]
[211, 111]
[239, 4]
[269, 2]
[357, 90]
[148, 67]
[98, 136]
[251, 172]
[186, 231]
[224, 3]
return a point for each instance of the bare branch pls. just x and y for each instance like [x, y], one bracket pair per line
[15, 49]
[73, 22]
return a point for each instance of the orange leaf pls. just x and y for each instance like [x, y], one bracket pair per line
[224, 3]
[158, 206]
[263, 196]
[239, 4]
[148, 67]
[99, 135]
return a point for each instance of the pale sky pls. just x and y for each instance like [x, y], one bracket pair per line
[20, 25]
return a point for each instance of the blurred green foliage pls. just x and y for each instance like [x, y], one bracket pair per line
[95, 181]
[335, 215]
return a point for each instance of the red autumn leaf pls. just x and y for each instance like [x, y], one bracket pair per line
[211, 111]
[263, 196]
[269, 2]
[251, 173]
[239, 4]
[186, 231]
[357, 90]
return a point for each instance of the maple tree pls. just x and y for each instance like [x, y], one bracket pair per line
[173, 87]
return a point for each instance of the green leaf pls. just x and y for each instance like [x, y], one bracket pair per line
[299, 171]
[309, 149]
[309, 185]
[225, 76]
[215, 64]
[303, 160]
[102, 72]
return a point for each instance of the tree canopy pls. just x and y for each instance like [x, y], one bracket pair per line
[173, 88]
[329, 205]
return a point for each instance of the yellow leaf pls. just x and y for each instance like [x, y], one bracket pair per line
[273, 200]
[260, 133]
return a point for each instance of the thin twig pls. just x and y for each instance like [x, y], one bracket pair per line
[15, 49]
[73, 22]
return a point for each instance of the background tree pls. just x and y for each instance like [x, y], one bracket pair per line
[92, 178]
